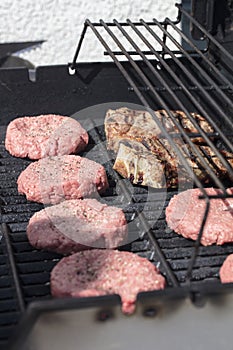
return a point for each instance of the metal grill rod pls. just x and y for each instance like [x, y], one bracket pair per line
[19, 293]
[178, 101]
[197, 242]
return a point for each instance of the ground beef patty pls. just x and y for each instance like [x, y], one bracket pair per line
[45, 135]
[98, 272]
[77, 224]
[53, 179]
[226, 270]
[185, 212]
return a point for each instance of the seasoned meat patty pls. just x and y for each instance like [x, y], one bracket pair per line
[53, 179]
[226, 270]
[98, 272]
[185, 212]
[77, 224]
[45, 135]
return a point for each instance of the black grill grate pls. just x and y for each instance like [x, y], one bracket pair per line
[26, 271]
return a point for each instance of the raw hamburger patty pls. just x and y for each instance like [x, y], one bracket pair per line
[53, 179]
[98, 272]
[45, 135]
[77, 224]
[226, 271]
[185, 212]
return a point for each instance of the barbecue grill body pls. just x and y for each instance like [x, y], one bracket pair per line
[24, 284]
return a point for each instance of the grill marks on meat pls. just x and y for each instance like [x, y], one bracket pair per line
[99, 272]
[45, 135]
[53, 179]
[124, 123]
[74, 225]
[138, 143]
[185, 212]
[226, 270]
[185, 122]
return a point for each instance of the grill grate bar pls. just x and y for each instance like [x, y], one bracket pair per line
[13, 268]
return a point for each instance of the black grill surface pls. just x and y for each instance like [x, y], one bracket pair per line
[162, 246]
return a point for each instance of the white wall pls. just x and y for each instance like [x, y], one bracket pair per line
[60, 22]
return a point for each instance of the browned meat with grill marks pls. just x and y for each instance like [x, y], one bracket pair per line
[54, 179]
[141, 167]
[185, 122]
[185, 212]
[45, 135]
[129, 124]
[124, 123]
[226, 270]
[145, 157]
[77, 224]
[98, 272]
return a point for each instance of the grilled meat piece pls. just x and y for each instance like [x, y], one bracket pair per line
[210, 159]
[54, 179]
[125, 123]
[144, 156]
[77, 224]
[45, 135]
[185, 122]
[141, 167]
[99, 272]
[141, 126]
[185, 212]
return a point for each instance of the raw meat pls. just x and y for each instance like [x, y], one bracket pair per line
[97, 272]
[77, 224]
[185, 212]
[53, 179]
[45, 135]
[226, 270]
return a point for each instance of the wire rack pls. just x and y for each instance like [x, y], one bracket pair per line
[203, 77]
